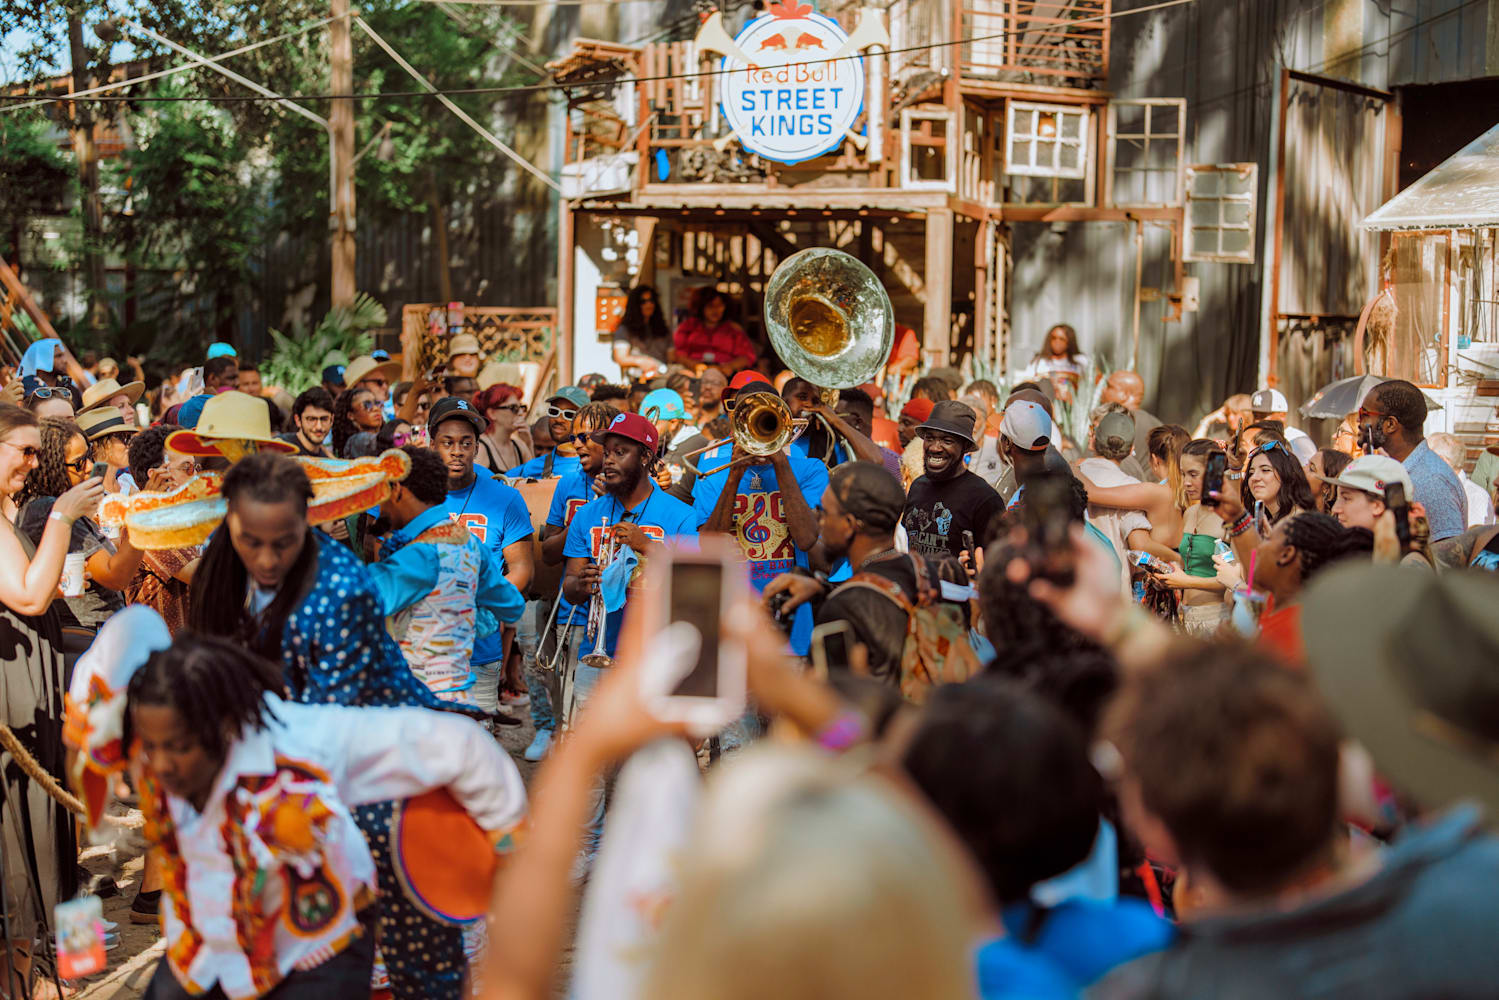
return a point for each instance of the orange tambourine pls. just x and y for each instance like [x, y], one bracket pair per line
[443, 860]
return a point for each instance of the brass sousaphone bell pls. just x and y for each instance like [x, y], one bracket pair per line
[830, 320]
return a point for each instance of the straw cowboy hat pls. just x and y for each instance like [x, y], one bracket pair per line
[101, 422]
[1417, 683]
[100, 393]
[230, 417]
[364, 366]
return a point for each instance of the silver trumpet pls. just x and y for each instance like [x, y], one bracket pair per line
[597, 616]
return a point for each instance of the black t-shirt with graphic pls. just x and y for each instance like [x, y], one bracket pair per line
[937, 514]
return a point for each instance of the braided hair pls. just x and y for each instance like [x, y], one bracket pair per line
[343, 424]
[50, 477]
[217, 687]
[1320, 540]
[221, 583]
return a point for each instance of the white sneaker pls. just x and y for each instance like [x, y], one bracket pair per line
[540, 744]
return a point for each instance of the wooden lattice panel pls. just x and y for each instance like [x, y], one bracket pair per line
[504, 333]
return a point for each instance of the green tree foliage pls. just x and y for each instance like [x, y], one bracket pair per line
[298, 359]
[189, 216]
[34, 175]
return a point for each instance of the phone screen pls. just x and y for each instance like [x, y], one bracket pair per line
[1212, 478]
[100, 469]
[835, 649]
[697, 597]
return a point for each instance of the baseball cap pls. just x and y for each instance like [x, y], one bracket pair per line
[869, 493]
[745, 377]
[380, 355]
[1027, 425]
[1269, 401]
[572, 394]
[663, 404]
[1372, 473]
[917, 409]
[1115, 430]
[755, 383]
[632, 426]
[456, 408]
[219, 349]
[334, 375]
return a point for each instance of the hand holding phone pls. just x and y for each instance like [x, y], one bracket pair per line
[100, 470]
[1046, 513]
[832, 643]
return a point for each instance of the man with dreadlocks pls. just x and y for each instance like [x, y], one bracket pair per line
[269, 881]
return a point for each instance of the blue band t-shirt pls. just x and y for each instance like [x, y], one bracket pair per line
[574, 491]
[661, 516]
[497, 516]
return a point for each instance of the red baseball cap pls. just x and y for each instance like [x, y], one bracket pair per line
[632, 426]
[917, 409]
[747, 377]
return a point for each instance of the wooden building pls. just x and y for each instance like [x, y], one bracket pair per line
[976, 115]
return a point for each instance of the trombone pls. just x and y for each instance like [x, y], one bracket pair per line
[760, 425]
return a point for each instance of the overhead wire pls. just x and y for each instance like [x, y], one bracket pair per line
[544, 87]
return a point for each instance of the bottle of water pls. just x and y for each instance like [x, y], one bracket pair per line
[1225, 550]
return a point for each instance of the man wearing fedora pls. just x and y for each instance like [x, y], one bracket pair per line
[947, 499]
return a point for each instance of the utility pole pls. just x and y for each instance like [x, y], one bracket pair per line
[341, 153]
[82, 126]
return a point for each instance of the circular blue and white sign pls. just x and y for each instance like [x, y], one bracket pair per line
[782, 100]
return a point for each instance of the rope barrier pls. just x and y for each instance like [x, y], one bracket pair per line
[37, 773]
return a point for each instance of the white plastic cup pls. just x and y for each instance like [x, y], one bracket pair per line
[72, 574]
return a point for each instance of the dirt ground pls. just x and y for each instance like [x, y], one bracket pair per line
[133, 961]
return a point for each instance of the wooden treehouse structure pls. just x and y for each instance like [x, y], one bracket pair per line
[972, 115]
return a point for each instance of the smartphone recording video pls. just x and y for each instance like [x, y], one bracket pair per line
[1212, 478]
[697, 598]
[1046, 514]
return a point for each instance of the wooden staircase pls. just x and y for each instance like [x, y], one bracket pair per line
[13, 296]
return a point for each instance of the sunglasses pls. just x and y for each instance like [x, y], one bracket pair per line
[556, 413]
[1270, 446]
[48, 392]
[401, 440]
[79, 464]
[28, 452]
[369, 404]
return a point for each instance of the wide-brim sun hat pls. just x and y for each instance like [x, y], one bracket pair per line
[364, 366]
[227, 418]
[100, 393]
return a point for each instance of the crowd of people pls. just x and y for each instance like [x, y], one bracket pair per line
[1154, 713]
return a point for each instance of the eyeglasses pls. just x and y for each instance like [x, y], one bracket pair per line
[78, 464]
[1376, 414]
[512, 407]
[49, 391]
[187, 468]
[27, 452]
[557, 413]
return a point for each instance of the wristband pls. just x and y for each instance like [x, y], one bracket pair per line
[1240, 526]
[843, 732]
[61, 518]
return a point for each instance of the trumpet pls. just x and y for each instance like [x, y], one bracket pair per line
[761, 425]
[597, 615]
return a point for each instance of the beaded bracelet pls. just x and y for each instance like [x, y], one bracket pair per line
[1240, 526]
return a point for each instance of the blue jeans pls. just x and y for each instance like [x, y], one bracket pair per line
[528, 636]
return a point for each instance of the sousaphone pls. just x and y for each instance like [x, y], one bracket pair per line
[829, 318]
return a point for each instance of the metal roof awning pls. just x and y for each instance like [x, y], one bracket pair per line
[1461, 193]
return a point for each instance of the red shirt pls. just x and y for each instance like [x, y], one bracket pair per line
[1280, 630]
[724, 342]
[906, 346]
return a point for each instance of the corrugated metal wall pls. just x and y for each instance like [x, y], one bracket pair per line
[1224, 57]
